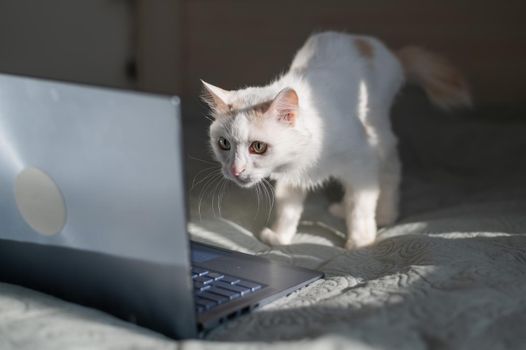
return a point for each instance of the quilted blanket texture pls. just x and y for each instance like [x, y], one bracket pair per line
[450, 274]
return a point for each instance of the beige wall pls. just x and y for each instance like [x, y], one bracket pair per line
[233, 43]
[81, 41]
[159, 45]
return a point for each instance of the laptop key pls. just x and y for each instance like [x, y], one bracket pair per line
[203, 279]
[204, 303]
[213, 297]
[232, 287]
[199, 271]
[216, 276]
[199, 286]
[251, 285]
[223, 292]
[230, 279]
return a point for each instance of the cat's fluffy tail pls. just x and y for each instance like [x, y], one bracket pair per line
[444, 84]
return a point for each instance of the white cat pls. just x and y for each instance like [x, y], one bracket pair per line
[327, 117]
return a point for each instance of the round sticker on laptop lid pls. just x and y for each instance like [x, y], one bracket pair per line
[40, 201]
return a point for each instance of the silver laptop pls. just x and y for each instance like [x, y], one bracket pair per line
[92, 210]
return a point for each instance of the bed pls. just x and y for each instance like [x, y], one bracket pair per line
[450, 274]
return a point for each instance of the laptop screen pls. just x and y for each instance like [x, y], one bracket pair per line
[95, 176]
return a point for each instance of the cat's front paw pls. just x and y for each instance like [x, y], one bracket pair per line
[363, 234]
[358, 241]
[272, 238]
[349, 245]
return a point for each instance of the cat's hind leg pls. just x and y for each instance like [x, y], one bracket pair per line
[362, 190]
[385, 146]
[388, 202]
[289, 207]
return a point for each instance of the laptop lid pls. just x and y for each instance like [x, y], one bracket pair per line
[92, 200]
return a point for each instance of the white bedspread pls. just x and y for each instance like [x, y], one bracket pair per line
[450, 274]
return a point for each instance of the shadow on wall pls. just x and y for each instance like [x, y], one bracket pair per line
[87, 42]
[233, 44]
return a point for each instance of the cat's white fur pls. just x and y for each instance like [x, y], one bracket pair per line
[328, 117]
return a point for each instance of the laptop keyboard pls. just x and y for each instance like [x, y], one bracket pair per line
[213, 288]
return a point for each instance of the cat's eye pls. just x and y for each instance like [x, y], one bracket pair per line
[223, 143]
[258, 147]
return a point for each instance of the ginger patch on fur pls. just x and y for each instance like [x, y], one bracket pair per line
[364, 48]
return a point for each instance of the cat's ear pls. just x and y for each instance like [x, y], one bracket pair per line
[285, 106]
[215, 97]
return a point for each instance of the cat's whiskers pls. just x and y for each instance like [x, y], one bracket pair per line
[211, 180]
[270, 195]
[209, 171]
[212, 194]
[263, 191]
[224, 183]
[215, 193]
[201, 160]
[257, 198]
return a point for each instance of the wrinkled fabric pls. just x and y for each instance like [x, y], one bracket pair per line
[450, 274]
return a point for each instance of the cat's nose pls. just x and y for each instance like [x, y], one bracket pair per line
[236, 171]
